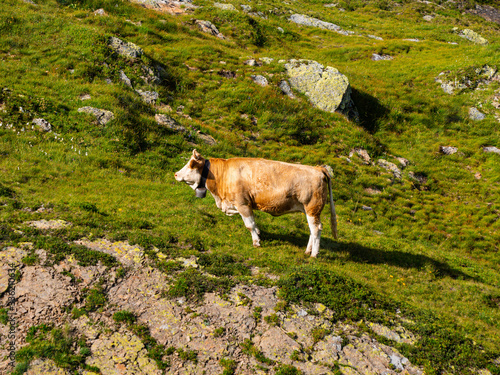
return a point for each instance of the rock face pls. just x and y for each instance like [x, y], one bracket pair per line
[126, 49]
[326, 88]
[102, 116]
[302, 19]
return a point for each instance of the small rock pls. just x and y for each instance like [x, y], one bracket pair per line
[102, 116]
[363, 154]
[227, 74]
[412, 40]
[126, 49]
[225, 6]
[100, 12]
[372, 191]
[267, 60]
[366, 208]
[42, 124]
[475, 115]
[260, 80]
[390, 167]
[286, 89]
[149, 97]
[280, 29]
[491, 149]
[375, 37]
[420, 178]
[302, 19]
[49, 224]
[125, 79]
[478, 176]
[246, 8]
[377, 57]
[448, 150]
[209, 28]
[84, 97]
[428, 18]
[403, 162]
[472, 36]
[170, 123]
[209, 140]
[252, 62]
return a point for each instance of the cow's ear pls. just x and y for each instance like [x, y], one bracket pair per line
[196, 155]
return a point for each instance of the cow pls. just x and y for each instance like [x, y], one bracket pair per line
[241, 185]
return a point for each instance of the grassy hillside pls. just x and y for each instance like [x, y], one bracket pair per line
[429, 248]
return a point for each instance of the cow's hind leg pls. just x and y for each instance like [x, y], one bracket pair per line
[249, 220]
[314, 239]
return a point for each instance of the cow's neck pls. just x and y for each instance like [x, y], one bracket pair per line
[213, 175]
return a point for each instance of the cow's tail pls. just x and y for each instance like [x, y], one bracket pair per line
[333, 215]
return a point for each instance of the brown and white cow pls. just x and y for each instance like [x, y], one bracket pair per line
[241, 185]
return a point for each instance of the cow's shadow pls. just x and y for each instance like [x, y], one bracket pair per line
[353, 252]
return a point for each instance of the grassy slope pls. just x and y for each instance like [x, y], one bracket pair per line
[442, 258]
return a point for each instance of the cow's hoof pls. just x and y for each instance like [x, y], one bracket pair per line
[256, 244]
[308, 251]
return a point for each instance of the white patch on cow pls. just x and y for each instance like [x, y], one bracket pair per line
[314, 239]
[190, 176]
[228, 208]
[252, 226]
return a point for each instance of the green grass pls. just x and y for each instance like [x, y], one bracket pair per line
[430, 249]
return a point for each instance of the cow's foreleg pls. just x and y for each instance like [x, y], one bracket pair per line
[247, 216]
[314, 239]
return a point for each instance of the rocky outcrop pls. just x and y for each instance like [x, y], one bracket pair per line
[302, 19]
[487, 12]
[102, 116]
[326, 87]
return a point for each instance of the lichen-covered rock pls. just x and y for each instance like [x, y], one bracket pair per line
[45, 367]
[398, 334]
[128, 255]
[127, 49]
[302, 19]
[209, 28]
[42, 124]
[260, 80]
[225, 6]
[363, 154]
[121, 353]
[149, 97]
[390, 167]
[472, 36]
[102, 116]
[475, 115]
[277, 345]
[448, 150]
[326, 88]
[48, 224]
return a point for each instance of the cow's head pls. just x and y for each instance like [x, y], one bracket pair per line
[191, 172]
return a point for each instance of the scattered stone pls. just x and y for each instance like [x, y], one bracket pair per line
[478, 176]
[102, 116]
[403, 162]
[413, 40]
[372, 191]
[266, 60]
[45, 367]
[428, 18]
[126, 49]
[149, 97]
[84, 97]
[108, 81]
[208, 139]
[246, 8]
[377, 57]
[225, 6]
[390, 167]
[170, 123]
[252, 62]
[286, 89]
[366, 208]
[491, 149]
[227, 74]
[471, 36]
[42, 124]
[209, 28]
[420, 178]
[280, 29]
[326, 88]
[100, 12]
[375, 37]
[475, 115]
[302, 19]
[125, 79]
[448, 150]
[168, 6]
[363, 154]
[260, 80]
[48, 224]
[30, 2]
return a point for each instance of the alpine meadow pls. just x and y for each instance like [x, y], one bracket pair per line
[108, 265]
